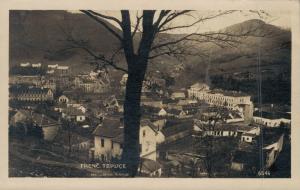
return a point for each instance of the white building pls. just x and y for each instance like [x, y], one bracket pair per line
[63, 99]
[25, 64]
[36, 65]
[271, 119]
[230, 99]
[109, 137]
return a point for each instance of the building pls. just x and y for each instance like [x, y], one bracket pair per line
[230, 99]
[271, 119]
[178, 95]
[72, 113]
[26, 79]
[253, 154]
[63, 99]
[222, 130]
[174, 131]
[36, 65]
[90, 85]
[33, 94]
[109, 139]
[25, 64]
[49, 126]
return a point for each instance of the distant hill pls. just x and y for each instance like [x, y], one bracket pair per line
[36, 36]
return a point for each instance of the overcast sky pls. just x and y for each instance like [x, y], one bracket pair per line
[278, 18]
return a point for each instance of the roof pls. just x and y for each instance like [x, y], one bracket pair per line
[228, 93]
[110, 128]
[149, 166]
[28, 90]
[147, 122]
[73, 111]
[173, 111]
[274, 115]
[227, 127]
[199, 85]
[177, 128]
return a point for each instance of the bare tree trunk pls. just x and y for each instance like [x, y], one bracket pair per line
[132, 116]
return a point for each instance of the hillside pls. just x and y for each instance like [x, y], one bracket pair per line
[36, 36]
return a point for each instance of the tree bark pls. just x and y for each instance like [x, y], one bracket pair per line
[132, 116]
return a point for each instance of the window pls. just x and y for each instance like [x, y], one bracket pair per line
[144, 133]
[102, 142]
[112, 145]
[140, 148]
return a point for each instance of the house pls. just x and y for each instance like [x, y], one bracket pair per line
[63, 99]
[199, 86]
[25, 64]
[33, 79]
[109, 138]
[178, 95]
[90, 85]
[19, 117]
[150, 168]
[222, 129]
[261, 151]
[75, 114]
[187, 102]
[248, 137]
[271, 119]
[152, 103]
[230, 99]
[162, 112]
[49, 126]
[78, 106]
[177, 130]
[34, 94]
[36, 65]
[178, 113]
[53, 66]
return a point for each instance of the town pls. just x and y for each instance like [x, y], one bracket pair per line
[71, 124]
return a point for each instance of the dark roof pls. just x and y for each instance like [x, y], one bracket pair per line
[147, 122]
[173, 111]
[110, 128]
[177, 128]
[149, 166]
[274, 115]
[28, 90]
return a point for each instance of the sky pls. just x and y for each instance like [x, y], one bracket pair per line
[278, 18]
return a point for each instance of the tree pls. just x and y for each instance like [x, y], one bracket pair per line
[151, 43]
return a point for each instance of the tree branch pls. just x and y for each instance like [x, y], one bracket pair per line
[106, 17]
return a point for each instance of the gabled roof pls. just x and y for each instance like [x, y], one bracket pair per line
[149, 166]
[177, 128]
[110, 128]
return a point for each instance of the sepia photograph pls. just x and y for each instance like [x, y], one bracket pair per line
[139, 94]
[153, 93]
